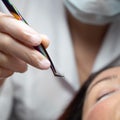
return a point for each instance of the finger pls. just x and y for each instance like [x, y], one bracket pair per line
[19, 30]
[28, 55]
[4, 73]
[12, 63]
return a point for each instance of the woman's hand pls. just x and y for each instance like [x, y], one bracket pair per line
[16, 47]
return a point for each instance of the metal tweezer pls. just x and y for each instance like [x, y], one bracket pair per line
[12, 9]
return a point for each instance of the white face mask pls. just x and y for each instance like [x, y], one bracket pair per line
[97, 12]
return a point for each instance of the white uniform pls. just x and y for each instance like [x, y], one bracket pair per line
[36, 94]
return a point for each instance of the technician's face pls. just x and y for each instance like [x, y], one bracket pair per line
[103, 97]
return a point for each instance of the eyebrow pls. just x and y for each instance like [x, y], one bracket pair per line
[101, 80]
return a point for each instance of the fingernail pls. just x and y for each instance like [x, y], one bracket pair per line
[44, 64]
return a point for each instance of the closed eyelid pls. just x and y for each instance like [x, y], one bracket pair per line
[105, 94]
[108, 94]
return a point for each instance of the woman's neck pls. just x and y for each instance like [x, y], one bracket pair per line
[92, 34]
[87, 40]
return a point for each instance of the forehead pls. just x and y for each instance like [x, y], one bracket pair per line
[110, 72]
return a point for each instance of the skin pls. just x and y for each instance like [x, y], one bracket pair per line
[103, 97]
[16, 44]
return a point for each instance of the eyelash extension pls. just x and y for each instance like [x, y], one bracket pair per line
[104, 95]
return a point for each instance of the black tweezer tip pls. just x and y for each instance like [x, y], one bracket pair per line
[58, 75]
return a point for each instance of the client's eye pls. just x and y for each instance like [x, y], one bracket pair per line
[104, 95]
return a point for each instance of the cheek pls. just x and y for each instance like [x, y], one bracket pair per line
[101, 111]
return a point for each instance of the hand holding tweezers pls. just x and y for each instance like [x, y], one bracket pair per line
[40, 48]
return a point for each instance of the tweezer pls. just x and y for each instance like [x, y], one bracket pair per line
[12, 9]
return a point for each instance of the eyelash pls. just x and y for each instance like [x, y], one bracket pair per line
[104, 95]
